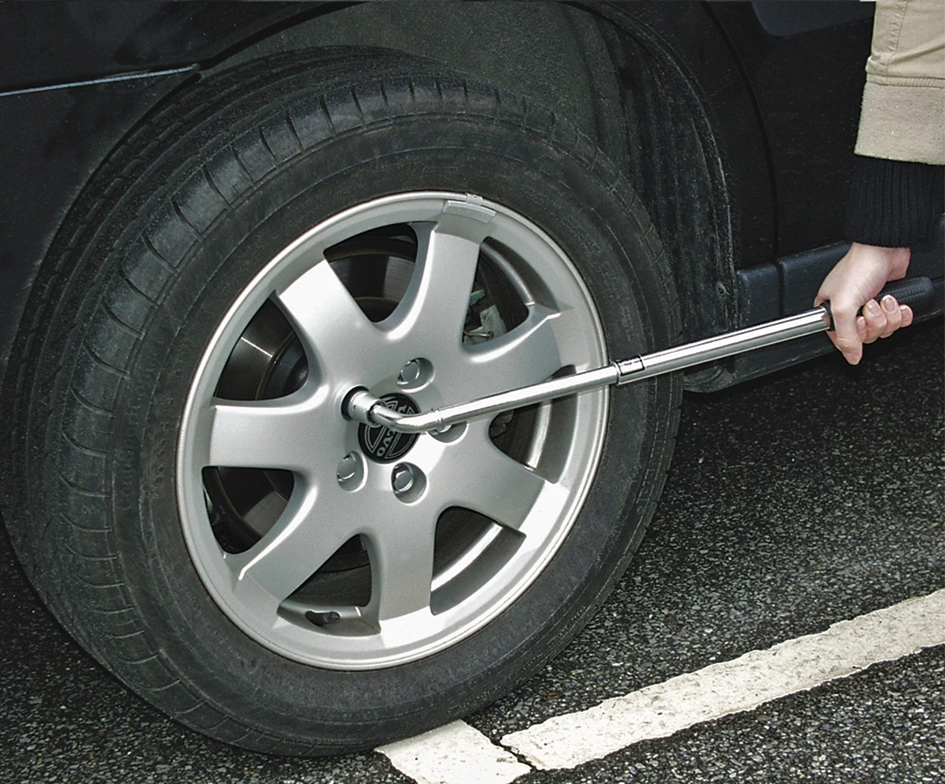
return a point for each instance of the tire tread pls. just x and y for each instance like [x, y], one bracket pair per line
[84, 582]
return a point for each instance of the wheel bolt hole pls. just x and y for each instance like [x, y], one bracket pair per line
[417, 373]
[351, 471]
[407, 481]
[450, 433]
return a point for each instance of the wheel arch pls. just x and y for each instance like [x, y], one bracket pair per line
[634, 80]
[607, 68]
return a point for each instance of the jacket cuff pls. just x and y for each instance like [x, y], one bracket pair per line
[894, 204]
[903, 119]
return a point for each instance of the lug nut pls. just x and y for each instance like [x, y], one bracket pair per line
[410, 373]
[347, 468]
[351, 472]
[402, 478]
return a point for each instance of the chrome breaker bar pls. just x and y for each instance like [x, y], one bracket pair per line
[362, 406]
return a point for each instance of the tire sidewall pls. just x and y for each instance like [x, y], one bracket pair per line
[559, 185]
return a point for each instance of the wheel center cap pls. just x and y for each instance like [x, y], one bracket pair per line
[382, 444]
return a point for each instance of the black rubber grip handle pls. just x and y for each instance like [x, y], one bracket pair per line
[917, 293]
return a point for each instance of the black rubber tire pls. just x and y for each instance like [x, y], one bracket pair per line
[165, 237]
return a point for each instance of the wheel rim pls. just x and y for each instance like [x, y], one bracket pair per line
[338, 546]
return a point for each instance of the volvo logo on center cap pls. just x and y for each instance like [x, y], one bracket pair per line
[382, 444]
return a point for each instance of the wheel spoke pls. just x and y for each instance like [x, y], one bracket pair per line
[487, 481]
[402, 564]
[312, 528]
[434, 307]
[329, 322]
[569, 329]
[526, 355]
[265, 433]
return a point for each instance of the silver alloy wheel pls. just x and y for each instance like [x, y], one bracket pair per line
[354, 560]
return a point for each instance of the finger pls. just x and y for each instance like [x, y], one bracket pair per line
[876, 320]
[907, 315]
[848, 335]
[893, 316]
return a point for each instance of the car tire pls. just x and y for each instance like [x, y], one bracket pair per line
[186, 494]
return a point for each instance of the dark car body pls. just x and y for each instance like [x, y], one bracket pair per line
[743, 156]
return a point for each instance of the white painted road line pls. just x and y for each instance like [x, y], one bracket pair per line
[721, 689]
[454, 754]
[459, 754]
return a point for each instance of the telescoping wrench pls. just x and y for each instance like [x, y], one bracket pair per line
[364, 407]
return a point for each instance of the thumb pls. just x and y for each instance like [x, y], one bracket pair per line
[849, 332]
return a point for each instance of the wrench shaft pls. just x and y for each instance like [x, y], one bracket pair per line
[361, 405]
[364, 407]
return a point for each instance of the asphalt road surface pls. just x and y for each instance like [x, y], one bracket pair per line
[795, 502]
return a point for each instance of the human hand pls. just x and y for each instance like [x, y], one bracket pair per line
[852, 284]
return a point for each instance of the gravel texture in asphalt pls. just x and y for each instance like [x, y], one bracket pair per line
[796, 501]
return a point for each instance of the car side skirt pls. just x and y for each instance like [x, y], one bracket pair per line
[788, 286]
